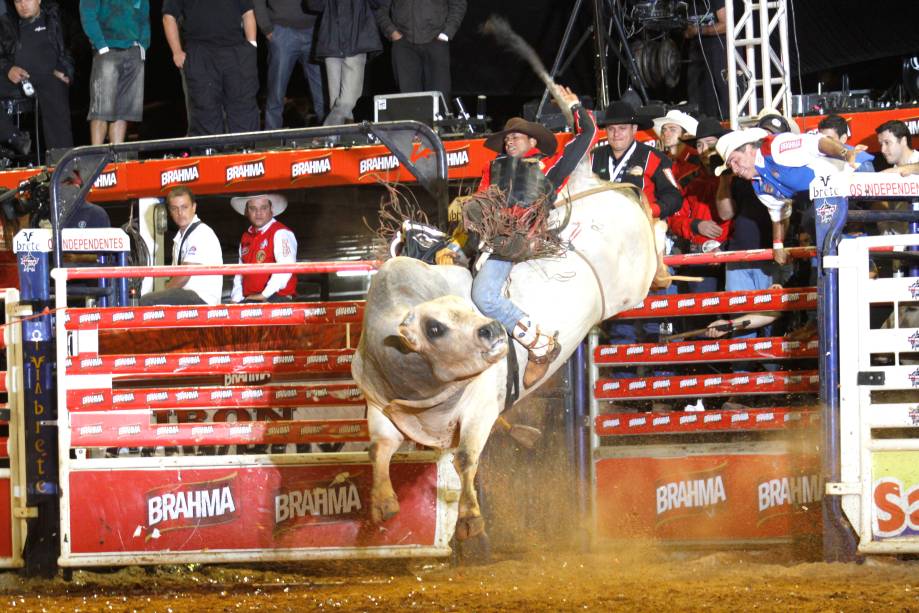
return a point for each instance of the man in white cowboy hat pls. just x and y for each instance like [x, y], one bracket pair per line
[528, 170]
[625, 160]
[675, 130]
[266, 241]
[698, 221]
[781, 165]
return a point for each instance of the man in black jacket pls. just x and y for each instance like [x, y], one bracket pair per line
[420, 31]
[625, 160]
[290, 33]
[216, 53]
[33, 50]
[347, 34]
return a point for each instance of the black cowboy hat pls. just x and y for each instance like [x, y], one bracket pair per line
[708, 126]
[545, 140]
[620, 112]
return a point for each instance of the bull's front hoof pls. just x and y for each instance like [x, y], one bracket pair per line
[469, 527]
[384, 509]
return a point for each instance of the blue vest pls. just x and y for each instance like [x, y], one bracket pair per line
[780, 181]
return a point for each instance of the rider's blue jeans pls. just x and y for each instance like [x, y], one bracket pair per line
[488, 294]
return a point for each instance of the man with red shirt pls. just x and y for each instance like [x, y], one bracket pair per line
[676, 131]
[267, 241]
[697, 221]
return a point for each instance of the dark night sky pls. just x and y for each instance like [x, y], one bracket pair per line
[835, 37]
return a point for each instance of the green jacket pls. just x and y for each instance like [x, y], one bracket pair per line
[118, 24]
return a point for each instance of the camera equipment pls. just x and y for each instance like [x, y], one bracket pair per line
[27, 87]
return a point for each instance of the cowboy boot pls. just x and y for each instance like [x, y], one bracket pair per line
[538, 365]
[542, 350]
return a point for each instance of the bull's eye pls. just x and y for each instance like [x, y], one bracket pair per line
[434, 329]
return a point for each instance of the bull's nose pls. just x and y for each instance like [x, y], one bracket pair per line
[490, 331]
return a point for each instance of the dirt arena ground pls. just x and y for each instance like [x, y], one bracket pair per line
[640, 579]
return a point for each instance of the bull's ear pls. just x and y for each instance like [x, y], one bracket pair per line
[408, 332]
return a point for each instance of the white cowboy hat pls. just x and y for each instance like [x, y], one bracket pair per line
[679, 118]
[732, 141]
[278, 203]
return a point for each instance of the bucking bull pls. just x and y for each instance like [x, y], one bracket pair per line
[433, 370]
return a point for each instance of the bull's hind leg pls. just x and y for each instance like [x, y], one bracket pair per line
[385, 440]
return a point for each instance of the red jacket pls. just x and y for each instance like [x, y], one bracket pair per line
[258, 248]
[699, 199]
[685, 165]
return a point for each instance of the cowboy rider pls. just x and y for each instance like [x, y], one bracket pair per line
[528, 169]
[266, 241]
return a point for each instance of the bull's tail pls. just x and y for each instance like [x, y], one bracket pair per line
[505, 35]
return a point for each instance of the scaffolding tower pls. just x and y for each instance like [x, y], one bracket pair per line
[758, 60]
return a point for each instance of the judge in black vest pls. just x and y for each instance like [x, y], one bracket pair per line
[625, 160]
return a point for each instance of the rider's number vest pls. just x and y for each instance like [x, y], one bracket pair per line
[521, 179]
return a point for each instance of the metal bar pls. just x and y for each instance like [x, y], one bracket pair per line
[122, 272]
[701, 386]
[600, 70]
[274, 314]
[562, 47]
[704, 351]
[723, 257]
[681, 422]
[839, 543]
[110, 152]
[717, 303]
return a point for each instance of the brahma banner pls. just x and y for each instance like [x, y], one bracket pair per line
[709, 497]
[247, 508]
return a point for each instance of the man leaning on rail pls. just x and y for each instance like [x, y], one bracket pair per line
[266, 241]
[194, 244]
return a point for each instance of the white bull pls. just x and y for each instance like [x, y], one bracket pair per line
[431, 370]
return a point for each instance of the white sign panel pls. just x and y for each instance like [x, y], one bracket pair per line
[865, 185]
[75, 239]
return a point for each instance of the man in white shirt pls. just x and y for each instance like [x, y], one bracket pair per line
[194, 244]
[266, 241]
[894, 138]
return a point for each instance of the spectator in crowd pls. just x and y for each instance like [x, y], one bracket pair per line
[347, 35]
[774, 122]
[421, 31]
[34, 56]
[781, 165]
[751, 229]
[119, 32]
[625, 160]
[837, 128]
[19, 141]
[88, 215]
[289, 30]
[194, 244]
[893, 137]
[216, 53]
[697, 223]
[706, 72]
[267, 241]
[676, 131]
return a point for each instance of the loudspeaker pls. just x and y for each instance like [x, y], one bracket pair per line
[425, 107]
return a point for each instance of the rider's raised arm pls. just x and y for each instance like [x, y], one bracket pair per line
[564, 163]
